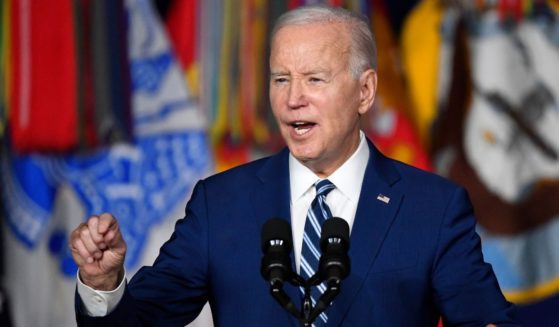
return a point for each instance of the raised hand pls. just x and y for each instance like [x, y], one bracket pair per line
[98, 249]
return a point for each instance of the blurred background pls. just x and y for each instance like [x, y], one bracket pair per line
[122, 105]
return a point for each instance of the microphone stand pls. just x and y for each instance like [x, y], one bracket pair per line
[307, 308]
[308, 313]
[332, 290]
[276, 289]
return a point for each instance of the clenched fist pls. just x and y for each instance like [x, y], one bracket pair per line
[98, 249]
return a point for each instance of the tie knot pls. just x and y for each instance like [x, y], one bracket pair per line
[324, 187]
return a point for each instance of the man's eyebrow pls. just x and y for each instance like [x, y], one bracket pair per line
[307, 73]
[316, 71]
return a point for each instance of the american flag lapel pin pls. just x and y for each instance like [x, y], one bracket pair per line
[383, 198]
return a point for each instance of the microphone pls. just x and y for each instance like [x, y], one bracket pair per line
[276, 246]
[334, 264]
[276, 263]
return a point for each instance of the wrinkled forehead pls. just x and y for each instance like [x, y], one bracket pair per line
[337, 30]
[318, 39]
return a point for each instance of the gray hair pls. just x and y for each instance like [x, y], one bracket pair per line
[363, 51]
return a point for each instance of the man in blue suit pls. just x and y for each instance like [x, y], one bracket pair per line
[415, 255]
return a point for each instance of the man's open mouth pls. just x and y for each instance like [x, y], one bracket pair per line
[302, 127]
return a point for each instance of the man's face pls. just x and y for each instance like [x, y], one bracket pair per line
[314, 97]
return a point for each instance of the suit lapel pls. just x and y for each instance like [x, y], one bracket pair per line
[271, 199]
[373, 219]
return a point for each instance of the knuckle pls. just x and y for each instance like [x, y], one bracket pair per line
[84, 232]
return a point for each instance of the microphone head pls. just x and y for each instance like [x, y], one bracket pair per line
[334, 264]
[276, 246]
[276, 231]
[335, 230]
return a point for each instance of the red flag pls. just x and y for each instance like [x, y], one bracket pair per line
[43, 80]
[182, 27]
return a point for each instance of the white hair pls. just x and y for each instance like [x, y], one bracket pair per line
[363, 51]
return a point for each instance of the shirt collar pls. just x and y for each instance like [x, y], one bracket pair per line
[348, 178]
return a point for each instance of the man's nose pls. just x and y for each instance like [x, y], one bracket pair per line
[297, 98]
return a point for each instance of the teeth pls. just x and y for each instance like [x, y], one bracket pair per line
[301, 131]
[301, 127]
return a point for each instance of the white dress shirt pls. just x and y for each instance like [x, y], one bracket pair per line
[342, 202]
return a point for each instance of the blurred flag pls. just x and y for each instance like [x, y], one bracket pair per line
[183, 28]
[42, 76]
[145, 184]
[388, 124]
[233, 72]
[498, 135]
[420, 45]
[4, 33]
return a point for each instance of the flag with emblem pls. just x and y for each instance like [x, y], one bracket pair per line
[497, 135]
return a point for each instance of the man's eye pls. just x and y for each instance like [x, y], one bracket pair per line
[315, 79]
[280, 80]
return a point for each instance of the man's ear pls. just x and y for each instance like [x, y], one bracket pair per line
[368, 84]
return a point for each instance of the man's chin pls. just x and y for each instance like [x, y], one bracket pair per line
[303, 157]
[307, 160]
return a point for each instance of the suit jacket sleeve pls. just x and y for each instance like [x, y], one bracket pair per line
[174, 290]
[465, 287]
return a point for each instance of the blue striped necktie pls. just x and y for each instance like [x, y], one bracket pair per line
[310, 253]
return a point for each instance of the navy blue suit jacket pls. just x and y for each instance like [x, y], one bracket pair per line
[413, 259]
